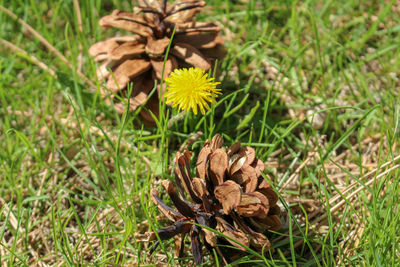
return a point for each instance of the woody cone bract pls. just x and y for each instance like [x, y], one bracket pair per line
[139, 57]
[228, 195]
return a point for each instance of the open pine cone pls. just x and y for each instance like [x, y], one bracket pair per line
[229, 195]
[139, 57]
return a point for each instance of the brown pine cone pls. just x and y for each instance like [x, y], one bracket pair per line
[228, 195]
[139, 57]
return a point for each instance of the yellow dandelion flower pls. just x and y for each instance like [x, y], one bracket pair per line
[189, 88]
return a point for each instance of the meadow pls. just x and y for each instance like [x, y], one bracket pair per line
[313, 86]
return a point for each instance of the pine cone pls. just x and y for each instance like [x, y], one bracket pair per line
[139, 57]
[229, 195]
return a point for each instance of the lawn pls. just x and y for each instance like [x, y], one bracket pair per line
[313, 86]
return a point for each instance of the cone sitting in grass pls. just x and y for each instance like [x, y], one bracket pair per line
[139, 57]
[228, 195]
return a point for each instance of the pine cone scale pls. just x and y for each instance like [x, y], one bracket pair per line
[103, 47]
[253, 205]
[229, 195]
[201, 164]
[126, 50]
[129, 16]
[190, 55]
[218, 166]
[144, 87]
[183, 174]
[234, 233]
[181, 205]
[199, 39]
[196, 27]
[170, 213]
[196, 245]
[158, 66]
[191, 8]
[152, 105]
[127, 71]
[123, 24]
[155, 48]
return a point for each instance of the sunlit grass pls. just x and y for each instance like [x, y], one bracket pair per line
[309, 80]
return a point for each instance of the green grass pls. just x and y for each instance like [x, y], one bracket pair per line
[300, 77]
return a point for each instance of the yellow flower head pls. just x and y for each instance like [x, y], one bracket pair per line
[189, 88]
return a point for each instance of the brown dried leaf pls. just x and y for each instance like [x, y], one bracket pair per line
[191, 55]
[218, 166]
[228, 194]
[125, 72]
[158, 66]
[155, 48]
[126, 50]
